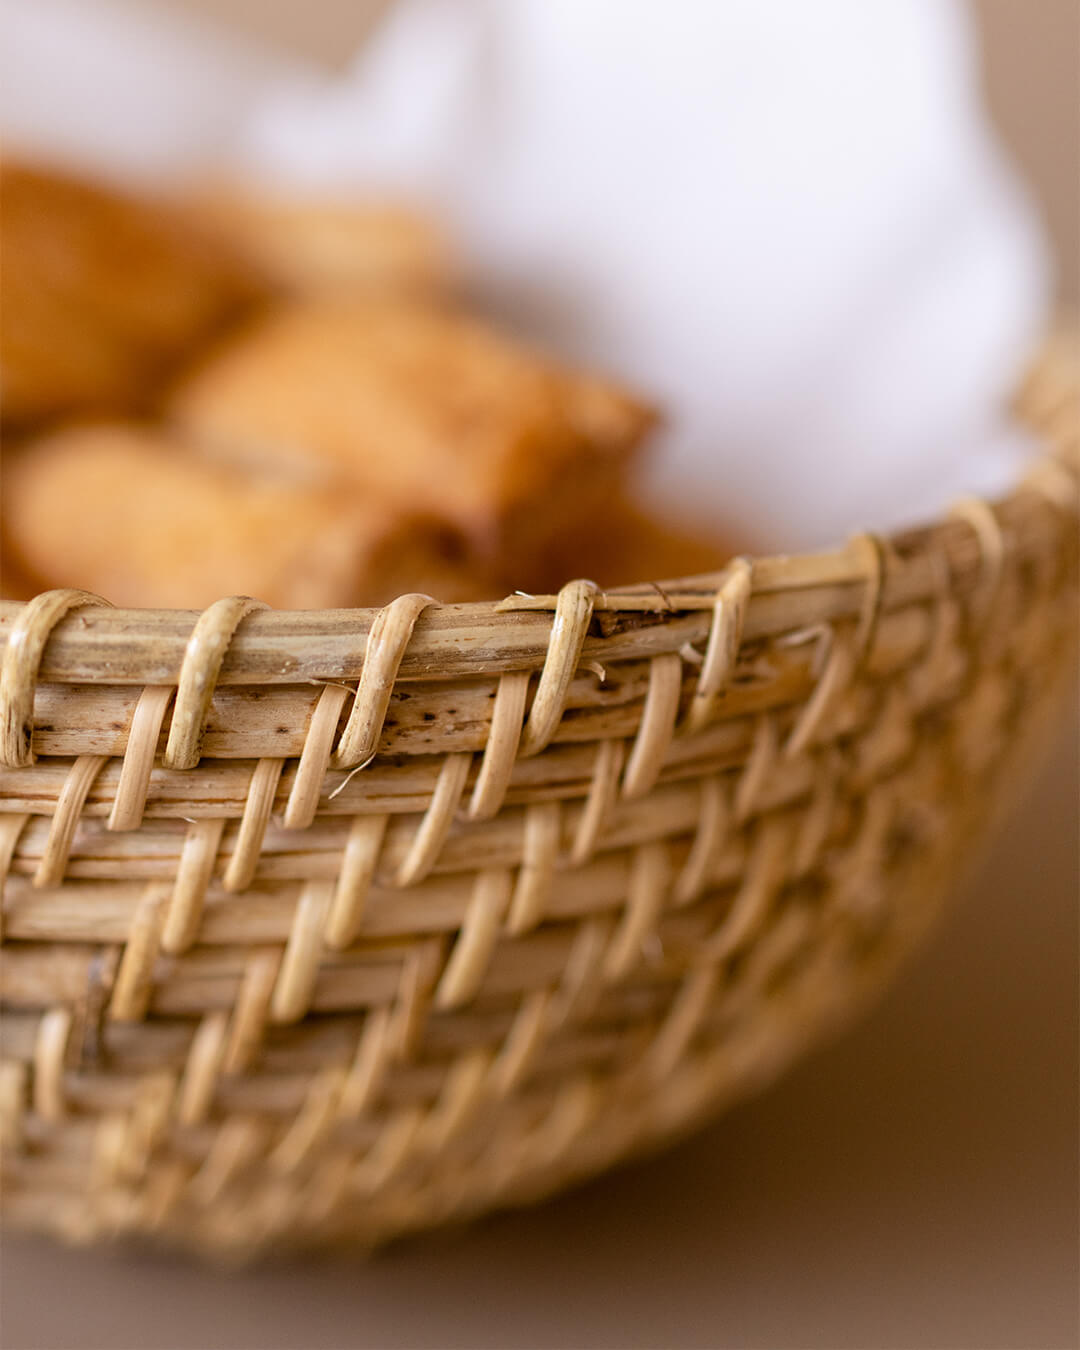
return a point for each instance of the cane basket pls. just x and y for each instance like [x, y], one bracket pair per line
[329, 926]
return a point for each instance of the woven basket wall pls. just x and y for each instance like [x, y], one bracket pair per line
[334, 925]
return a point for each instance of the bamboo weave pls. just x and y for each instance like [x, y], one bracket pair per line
[329, 926]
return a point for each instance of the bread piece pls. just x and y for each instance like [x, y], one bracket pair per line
[423, 406]
[624, 544]
[128, 514]
[14, 583]
[101, 295]
[329, 246]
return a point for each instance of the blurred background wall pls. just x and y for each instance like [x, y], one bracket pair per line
[1031, 54]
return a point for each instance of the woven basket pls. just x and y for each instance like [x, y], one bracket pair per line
[329, 926]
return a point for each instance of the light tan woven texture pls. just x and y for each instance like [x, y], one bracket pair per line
[330, 926]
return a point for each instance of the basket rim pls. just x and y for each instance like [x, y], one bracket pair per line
[97, 643]
[82, 638]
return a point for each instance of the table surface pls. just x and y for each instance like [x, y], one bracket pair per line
[913, 1184]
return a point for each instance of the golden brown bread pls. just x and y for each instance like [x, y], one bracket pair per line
[336, 449]
[125, 512]
[324, 245]
[426, 407]
[624, 544]
[102, 294]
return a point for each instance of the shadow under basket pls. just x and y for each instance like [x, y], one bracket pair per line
[324, 927]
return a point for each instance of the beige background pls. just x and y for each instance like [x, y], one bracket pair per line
[915, 1184]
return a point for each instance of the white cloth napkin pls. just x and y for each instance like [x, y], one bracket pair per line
[788, 222]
